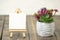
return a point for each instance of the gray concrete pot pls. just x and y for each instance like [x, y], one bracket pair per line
[45, 29]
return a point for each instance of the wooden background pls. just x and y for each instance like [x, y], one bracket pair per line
[31, 29]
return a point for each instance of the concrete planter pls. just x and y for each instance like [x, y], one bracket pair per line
[45, 29]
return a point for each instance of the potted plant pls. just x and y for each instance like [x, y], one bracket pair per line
[45, 23]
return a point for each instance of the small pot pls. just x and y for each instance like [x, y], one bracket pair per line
[45, 29]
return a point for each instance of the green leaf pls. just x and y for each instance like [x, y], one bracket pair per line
[45, 18]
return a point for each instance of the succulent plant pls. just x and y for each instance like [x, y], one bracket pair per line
[45, 15]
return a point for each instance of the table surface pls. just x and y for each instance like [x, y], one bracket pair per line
[31, 34]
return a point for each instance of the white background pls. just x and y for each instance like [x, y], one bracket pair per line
[27, 6]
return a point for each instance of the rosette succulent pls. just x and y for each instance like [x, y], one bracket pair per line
[45, 15]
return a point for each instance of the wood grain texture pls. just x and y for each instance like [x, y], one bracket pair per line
[31, 30]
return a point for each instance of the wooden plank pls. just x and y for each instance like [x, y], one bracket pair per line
[2, 23]
[18, 30]
[31, 28]
[5, 35]
[16, 35]
[31, 31]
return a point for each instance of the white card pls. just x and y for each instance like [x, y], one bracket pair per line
[17, 21]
